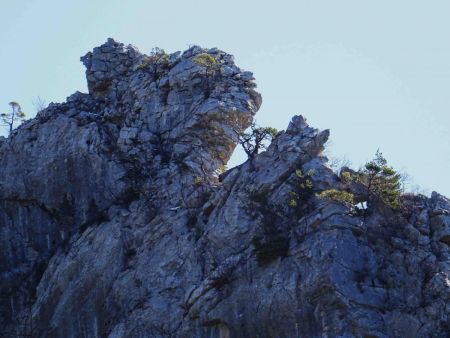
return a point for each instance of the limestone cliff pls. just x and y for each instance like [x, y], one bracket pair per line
[116, 219]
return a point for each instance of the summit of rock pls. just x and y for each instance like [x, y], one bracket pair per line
[117, 221]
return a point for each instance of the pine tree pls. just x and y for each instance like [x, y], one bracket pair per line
[254, 140]
[381, 181]
[14, 116]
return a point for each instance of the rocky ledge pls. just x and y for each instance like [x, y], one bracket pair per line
[117, 220]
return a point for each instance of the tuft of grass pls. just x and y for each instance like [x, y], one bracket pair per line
[337, 196]
[303, 190]
[205, 60]
[346, 177]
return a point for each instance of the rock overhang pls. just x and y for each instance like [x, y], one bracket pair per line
[176, 95]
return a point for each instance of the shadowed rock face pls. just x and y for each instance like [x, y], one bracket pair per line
[114, 223]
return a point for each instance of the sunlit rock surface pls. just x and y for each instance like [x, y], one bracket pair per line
[117, 220]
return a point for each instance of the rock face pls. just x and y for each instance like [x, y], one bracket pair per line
[117, 221]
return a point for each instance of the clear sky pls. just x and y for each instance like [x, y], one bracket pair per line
[377, 73]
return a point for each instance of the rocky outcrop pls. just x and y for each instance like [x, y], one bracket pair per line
[117, 220]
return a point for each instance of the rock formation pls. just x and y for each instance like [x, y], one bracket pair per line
[117, 220]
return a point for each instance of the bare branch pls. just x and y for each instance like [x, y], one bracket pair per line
[39, 104]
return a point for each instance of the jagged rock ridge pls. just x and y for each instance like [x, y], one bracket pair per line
[114, 221]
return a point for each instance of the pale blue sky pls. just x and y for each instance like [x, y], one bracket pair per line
[377, 73]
